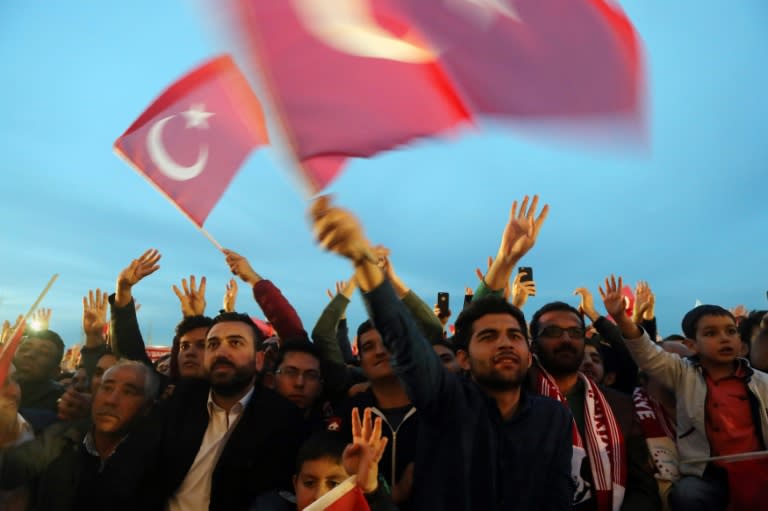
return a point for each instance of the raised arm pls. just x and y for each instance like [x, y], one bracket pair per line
[325, 332]
[127, 341]
[425, 318]
[94, 322]
[274, 305]
[667, 368]
[427, 383]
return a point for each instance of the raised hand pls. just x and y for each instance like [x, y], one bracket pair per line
[740, 312]
[522, 229]
[518, 238]
[74, 405]
[94, 315]
[587, 305]
[240, 266]
[40, 319]
[139, 268]
[612, 297]
[362, 456]
[337, 230]
[192, 299]
[644, 303]
[443, 318]
[346, 288]
[230, 296]
[522, 290]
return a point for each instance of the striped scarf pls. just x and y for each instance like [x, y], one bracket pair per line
[604, 445]
[659, 432]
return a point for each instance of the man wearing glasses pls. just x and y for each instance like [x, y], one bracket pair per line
[610, 457]
[297, 376]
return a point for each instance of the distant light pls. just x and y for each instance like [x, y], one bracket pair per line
[35, 325]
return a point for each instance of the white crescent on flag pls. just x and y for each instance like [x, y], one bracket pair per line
[196, 118]
[349, 27]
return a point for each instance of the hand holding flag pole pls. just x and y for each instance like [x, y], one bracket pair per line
[9, 349]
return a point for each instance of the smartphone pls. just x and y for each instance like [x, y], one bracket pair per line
[442, 304]
[467, 300]
[528, 275]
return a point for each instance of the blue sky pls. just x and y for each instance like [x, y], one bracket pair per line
[688, 216]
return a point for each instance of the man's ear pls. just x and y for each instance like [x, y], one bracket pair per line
[744, 349]
[691, 345]
[462, 357]
[609, 379]
[534, 347]
[268, 379]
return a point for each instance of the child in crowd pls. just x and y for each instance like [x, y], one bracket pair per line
[721, 406]
[325, 461]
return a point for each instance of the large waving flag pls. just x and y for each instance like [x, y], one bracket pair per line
[339, 93]
[535, 58]
[193, 139]
[355, 77]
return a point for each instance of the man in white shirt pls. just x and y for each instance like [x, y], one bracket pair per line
[223, 441]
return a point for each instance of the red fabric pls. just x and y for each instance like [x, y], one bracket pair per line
[747, 490]
[353, 500]
[728, 413]
[165, 146]
[333, 104]
[278, 311]
[8, 351]
[536, 58]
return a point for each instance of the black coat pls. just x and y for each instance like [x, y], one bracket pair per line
[259, 456]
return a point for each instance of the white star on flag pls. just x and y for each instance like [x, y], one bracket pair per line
[197, 117]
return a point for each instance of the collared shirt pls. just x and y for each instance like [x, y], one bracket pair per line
[90, 447]
[730, 426]
[195, 491]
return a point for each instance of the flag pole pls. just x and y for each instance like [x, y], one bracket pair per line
[199, 227]
[30, 311]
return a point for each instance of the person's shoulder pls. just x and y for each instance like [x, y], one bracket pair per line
[547, 405]
[265, 400]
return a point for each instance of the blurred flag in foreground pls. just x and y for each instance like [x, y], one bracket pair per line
[350, 78]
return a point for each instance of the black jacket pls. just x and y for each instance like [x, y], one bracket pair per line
[259, 455]
[469, 458]
[69, 477]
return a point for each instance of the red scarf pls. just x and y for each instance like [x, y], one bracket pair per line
[659, 431]
[604, 445]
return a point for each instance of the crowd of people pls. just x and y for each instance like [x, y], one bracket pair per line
[583, 408]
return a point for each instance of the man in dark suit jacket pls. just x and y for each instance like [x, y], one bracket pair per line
[223, 441]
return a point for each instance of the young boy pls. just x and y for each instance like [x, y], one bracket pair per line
[721, 403]
[325, 461]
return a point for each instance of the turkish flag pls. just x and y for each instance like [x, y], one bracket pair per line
[339, 91]
[535, 58]
[347, 496]
[746, 484]
[193, 139]
[8, 351]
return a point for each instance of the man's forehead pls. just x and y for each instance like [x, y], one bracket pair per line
[38, 344]
[558, 317]
[230, 328]
[496, 321]
[300, 358]
[196, 334]
[124, 375]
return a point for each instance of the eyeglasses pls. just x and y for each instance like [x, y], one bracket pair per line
[555, 332]
[294, 372]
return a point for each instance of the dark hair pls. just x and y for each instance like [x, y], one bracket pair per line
[365, 326]
[444, 343]
[750, 323]
[477, 309]
[691, 320]
[237, 317]
[185, 326]
[552, 307]
[321, 445]
[52, 337]
[296, 346]
[673, 337]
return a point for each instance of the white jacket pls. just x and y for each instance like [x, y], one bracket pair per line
[685, 377]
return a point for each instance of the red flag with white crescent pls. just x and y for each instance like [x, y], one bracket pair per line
[193, 139]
